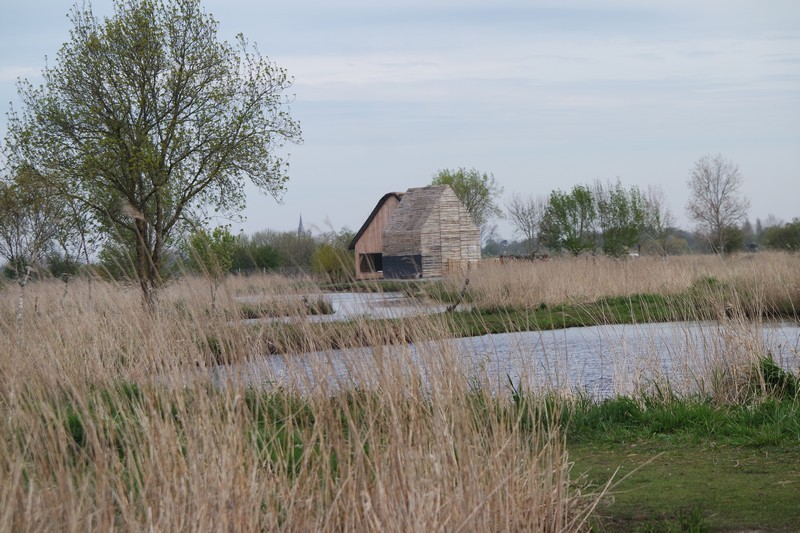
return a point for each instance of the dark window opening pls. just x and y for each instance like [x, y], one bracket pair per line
[403, 267]
[371, 263]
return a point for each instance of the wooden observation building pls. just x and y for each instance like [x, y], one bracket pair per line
[424, 232]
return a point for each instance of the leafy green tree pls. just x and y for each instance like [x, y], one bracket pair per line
[147, 119]
[294, 250]
[63, 266]
[338, 239]
[251, 254]
[621, 215]
[117, 260]
[334, 262]
[569, 220]
[748, 232]
[733, 237]
[759, 229]
[31, 221]
[478, 191]
[785, 237]
[492, 248]
[212, 254]
[332, 257]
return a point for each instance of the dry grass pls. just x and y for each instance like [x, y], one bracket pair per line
[107, 422]
[111, 418]
[767, 277]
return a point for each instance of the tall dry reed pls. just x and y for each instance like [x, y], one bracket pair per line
[112, 418]
[771, 277]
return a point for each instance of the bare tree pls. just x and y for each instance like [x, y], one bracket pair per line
[659, 221]
[772, 221]
[526, 213]
[488, 233]
[716, 203]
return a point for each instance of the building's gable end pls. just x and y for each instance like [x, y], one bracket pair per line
[368, 242]
[392, 199]
[404, 253]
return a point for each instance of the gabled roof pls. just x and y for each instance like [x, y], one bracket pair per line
[384, 198]
[413, 212]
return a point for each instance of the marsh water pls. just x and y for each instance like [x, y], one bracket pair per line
[599, 361]
[370, 305]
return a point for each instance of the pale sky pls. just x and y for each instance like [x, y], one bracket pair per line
[543, 94]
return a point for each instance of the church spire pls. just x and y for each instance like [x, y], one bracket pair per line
[300, 229]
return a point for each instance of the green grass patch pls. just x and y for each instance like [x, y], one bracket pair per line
[705, 486]
[690, 465]
[765, 422]
[639, 308]
[684, 464]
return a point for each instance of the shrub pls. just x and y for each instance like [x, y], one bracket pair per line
[336, 263]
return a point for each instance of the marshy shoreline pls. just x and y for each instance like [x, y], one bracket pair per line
[91, 441]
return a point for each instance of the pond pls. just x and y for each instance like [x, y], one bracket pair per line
[599, 361]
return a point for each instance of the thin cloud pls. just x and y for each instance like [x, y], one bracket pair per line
[11, 73]
[734, 64]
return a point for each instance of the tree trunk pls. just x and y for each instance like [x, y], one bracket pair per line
[23, 281]
[146, 267]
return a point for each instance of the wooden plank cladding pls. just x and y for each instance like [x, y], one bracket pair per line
[428, 229]
[368, 242]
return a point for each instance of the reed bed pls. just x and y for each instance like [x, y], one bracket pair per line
[110, 419]
[115, 418]
[771, 278]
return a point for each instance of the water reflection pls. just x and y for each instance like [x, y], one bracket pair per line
[599, 361]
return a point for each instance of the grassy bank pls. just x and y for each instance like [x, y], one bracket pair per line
[701, 486]
[766, 282]
[688, 465]
[672, 466]
[685, 463]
